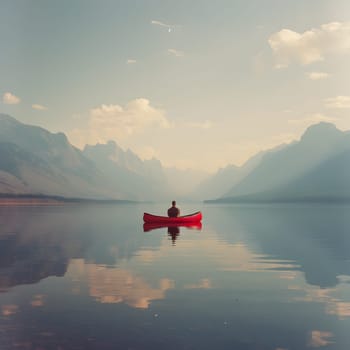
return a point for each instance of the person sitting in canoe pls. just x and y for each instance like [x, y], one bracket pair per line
[173, 212]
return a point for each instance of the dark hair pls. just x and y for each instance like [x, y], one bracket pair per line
[173, 202]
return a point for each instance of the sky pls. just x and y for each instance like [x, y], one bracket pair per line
[196, 84]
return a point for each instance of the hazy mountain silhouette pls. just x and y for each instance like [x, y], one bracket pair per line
[222, 181]
[33, 160]
[140, 179]
[316, 167]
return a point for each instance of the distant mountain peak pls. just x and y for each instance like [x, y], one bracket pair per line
[34, 160]
[321, 131]
[108, 148]
[60, 136]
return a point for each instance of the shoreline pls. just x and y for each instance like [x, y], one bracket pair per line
[27, 202]
[43, 200]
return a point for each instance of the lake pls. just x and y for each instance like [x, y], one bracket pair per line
[273, 277]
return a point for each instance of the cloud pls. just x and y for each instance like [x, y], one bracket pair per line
[134, 117]
[10, 99]
[39, 107]
[313, 119]
[130, 61]
[170, 27]
[159, 23]
[176, 53]
[110, 122]
[340, 102]
[311, 46]
[317, 75]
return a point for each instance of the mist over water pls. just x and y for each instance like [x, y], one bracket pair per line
[254, 277]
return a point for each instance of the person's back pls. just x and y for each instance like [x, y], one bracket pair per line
[173, 212]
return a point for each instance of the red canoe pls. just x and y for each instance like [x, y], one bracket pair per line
[150, 218]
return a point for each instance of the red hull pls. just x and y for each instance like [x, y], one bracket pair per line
[195, 217]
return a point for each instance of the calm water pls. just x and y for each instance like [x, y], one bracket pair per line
[254, 277]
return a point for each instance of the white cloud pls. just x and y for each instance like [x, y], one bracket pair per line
[131, 61]
[159, 23]
[170, 27]
[176, 53]
[39, 107]
[110, 122]
[10, 99]
[137, 115]
[311, 46]
[340, 102]
[313, 119]
[317, 75]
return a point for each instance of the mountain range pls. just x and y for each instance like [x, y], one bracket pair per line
[34, 161]
[315, 168]
[224, 179]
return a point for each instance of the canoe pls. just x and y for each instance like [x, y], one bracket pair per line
[147, 226]
[150, 218]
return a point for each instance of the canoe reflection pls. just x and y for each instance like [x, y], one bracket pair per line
[173, 232]
[149, 227]
[173, 229]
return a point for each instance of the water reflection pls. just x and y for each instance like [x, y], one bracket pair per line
[173, 232]
[320, 338]
[173, 229]
[316, 237]
[36, 243]
[110, 285]
[254, 278]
